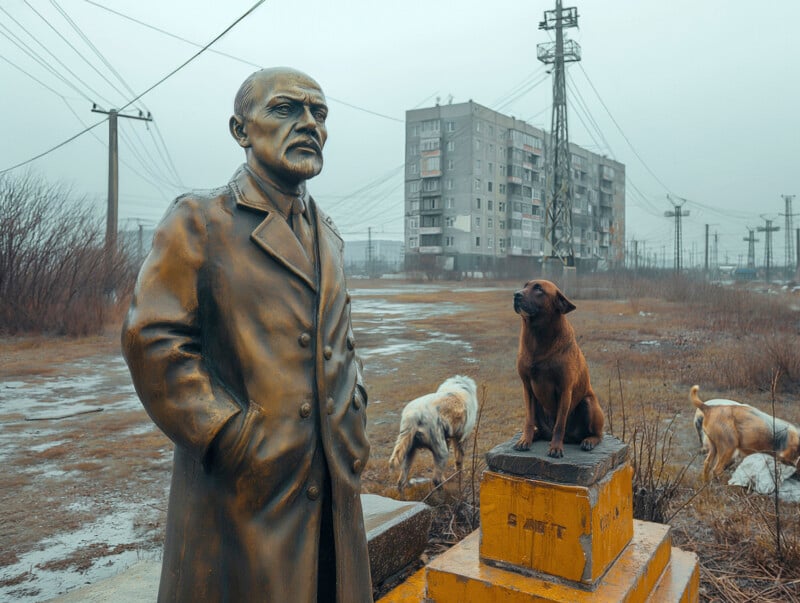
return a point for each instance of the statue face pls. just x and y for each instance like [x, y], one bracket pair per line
[285, 130]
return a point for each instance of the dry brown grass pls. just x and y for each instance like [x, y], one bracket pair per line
[646, 344]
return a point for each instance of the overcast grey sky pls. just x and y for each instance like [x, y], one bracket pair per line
[697, 98]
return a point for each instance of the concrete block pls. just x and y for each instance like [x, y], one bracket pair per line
[577, 467]
[548, 529]
[458, 575]
[397, 533]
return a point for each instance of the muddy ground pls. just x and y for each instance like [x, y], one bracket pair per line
[86, 474]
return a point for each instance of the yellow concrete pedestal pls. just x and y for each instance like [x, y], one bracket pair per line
[549, 529]
[558, 531]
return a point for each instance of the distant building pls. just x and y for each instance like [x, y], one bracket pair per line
[474, 195]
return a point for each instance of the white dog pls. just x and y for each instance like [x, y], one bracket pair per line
[433, 420]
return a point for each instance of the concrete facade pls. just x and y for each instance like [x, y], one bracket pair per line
[475, 195]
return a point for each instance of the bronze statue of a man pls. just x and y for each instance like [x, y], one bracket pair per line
[240, 345]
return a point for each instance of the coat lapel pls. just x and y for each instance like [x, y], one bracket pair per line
[273, 235]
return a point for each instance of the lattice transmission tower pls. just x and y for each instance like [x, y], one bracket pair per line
[788, 228]
[677, 213]
[558, 200]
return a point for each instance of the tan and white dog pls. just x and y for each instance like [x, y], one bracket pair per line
[730, 426]
[433, 420]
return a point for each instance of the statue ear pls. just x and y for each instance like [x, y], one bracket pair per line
[238, 131]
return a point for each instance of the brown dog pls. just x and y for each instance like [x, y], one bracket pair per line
[731, 426]
[559, 401]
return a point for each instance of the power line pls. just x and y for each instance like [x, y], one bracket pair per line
[230, 56]
[635, 152]
[150, 89]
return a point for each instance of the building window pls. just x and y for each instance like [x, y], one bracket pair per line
[415, 206]
[477, 221]
[491, 130]
[478, 203]
[489, 222]
[477, 241]
[430, 164]
[451, 145]
[501, 243]
[489, 186]
[413, 150]
[431, 203]
[489, 204]
[477, 126]
[478, 165]
[451, 126]
[501, 206]
[502, 224]
[477, 185]
[412, 169]
[449, 221]
[449, 184]
[413, 187]
[502, 189]
[489, 242]
[431, 184]
[430, 125]
[449, 164]
[448, 241]
[477, 144]
[490, 166]
[415, 130]
[430, 144]
[413, 242]
[449, 203]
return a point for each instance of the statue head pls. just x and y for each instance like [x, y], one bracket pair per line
[279, 120]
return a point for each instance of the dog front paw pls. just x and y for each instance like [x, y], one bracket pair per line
[556, 452]
[523, 444]
[589, 443]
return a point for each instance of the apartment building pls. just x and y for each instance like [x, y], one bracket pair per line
[475, 195]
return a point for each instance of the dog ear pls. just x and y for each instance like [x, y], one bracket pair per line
[563, 304]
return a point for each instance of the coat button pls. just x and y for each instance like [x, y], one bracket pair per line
[312, 493]
[357, 465]
[329, 406]
[351, 343]
[305, 409]
[327, 351]
[304, 339]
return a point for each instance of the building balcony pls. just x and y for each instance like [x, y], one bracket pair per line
[430, 230]
[431, 173]
[430, 249]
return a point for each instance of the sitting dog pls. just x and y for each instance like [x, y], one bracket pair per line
[559, 402]
[433, 420]
[734, 427]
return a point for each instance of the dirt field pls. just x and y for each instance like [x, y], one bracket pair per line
[85, 473]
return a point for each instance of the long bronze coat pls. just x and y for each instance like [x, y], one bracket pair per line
[230, 322]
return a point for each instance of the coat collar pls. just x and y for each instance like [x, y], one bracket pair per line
[273, 234]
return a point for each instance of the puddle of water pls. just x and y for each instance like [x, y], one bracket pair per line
[113, 529]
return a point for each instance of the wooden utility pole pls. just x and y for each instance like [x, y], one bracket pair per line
[112, 211]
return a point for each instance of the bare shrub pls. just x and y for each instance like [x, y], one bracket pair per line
[55, 275]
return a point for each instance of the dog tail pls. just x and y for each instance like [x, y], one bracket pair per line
[405, 440]
[695, 399]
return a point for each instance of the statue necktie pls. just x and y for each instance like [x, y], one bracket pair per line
[302, 229]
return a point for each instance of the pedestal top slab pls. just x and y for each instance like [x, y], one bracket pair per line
[577, 467]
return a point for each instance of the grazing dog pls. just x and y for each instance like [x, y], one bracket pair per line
[433, 420]
[559, 402]
[734, 426]
[698, 419]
